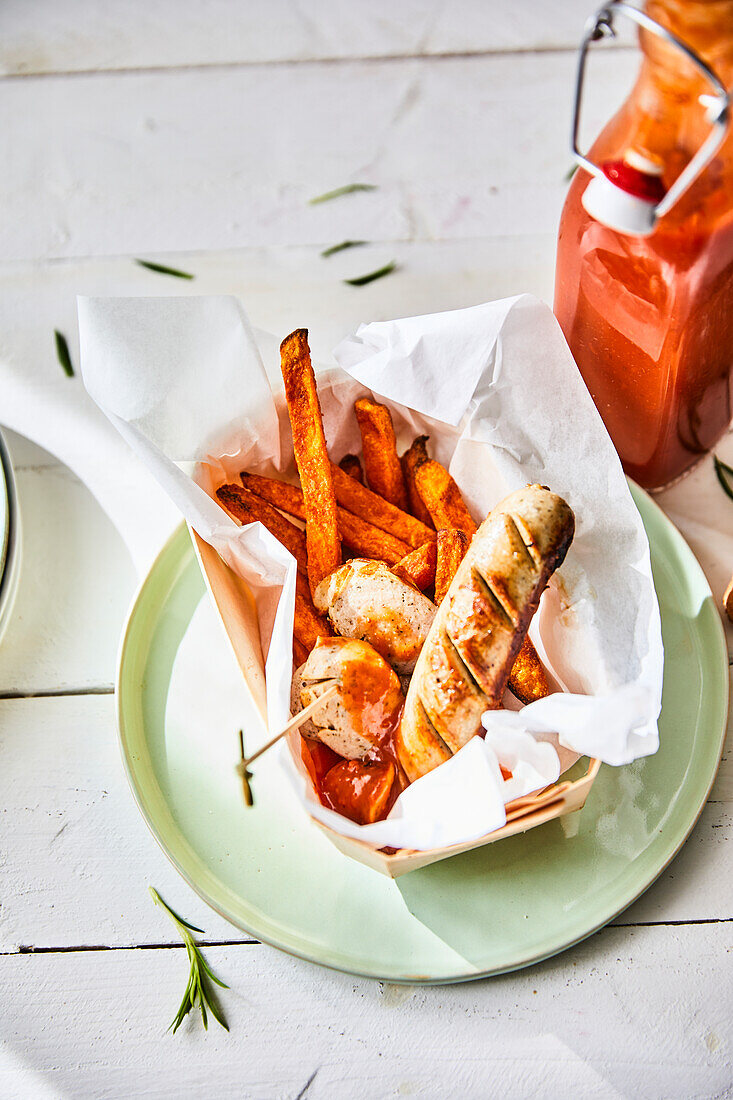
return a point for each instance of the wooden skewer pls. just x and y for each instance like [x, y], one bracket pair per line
[294, 723]
[244, 774]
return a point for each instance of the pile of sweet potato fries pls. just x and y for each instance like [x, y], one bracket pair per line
[406, 511]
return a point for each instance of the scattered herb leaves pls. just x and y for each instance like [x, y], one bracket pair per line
[362, 280]
[570, 173]
[724, 474]
[163, 270]
[198, 991]
[348, 189]
[63, 354]
[340, 247]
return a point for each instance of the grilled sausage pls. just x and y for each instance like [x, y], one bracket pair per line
[464, 665]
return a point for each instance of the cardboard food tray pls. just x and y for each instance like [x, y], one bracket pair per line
[235, 606]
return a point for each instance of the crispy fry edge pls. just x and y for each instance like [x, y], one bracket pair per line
[369, 506]
[309, 446]
[443, 498]
[360, 536]
[351, 465]
[414, 456]
[247, 507]
[418, 567]
[451, 549]
[379, 447]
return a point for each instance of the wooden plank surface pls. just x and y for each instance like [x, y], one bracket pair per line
[615, 1020]
[124, 163]
[281, 288]
[204, 135]
[48, 37]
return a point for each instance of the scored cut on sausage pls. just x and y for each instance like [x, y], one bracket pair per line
[464, 665]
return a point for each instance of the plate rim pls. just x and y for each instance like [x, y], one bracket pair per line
[720, 642]
[5, 506]
[10, 557]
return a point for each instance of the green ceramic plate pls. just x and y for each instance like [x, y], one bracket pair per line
[271, 872]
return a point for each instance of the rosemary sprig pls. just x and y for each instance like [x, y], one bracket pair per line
[63, 354]
[348, 189]
[723, 473]
[362, 280]
[197, 990]
[340, 247]
[163, 270]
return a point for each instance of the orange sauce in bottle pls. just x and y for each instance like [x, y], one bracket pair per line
[649, 320]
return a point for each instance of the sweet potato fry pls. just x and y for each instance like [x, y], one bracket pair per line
[360, 536]
[308, 625]
[288, 498]
[383, 469]
[300, 653]
[351, 465]
[368, 541]
[452, 545]
[413, 457]
[442, 498]
[309, 446]
[418, 567]
[367, 505]
[248, 508]
[528, 679]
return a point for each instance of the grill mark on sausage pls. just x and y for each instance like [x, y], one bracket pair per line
[485, 588]
[428, 721]
[528, 539]
[463, 668]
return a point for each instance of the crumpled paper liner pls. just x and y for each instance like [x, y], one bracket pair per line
[182, 380]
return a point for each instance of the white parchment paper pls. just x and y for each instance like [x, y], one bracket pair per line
[497, 391]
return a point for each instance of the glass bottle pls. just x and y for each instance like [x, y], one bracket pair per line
[649, 319]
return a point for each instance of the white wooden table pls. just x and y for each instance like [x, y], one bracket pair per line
[195, 132]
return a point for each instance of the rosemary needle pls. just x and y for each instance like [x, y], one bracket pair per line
[63, 354]
[362, 280]
[163, 270]
[197, 990]
[724, 473]
[340, 248]
[348, 189]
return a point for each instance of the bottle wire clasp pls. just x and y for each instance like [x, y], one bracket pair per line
[716, 105]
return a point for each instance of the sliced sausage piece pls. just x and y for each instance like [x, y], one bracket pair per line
[366, 710]
[364, 599]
